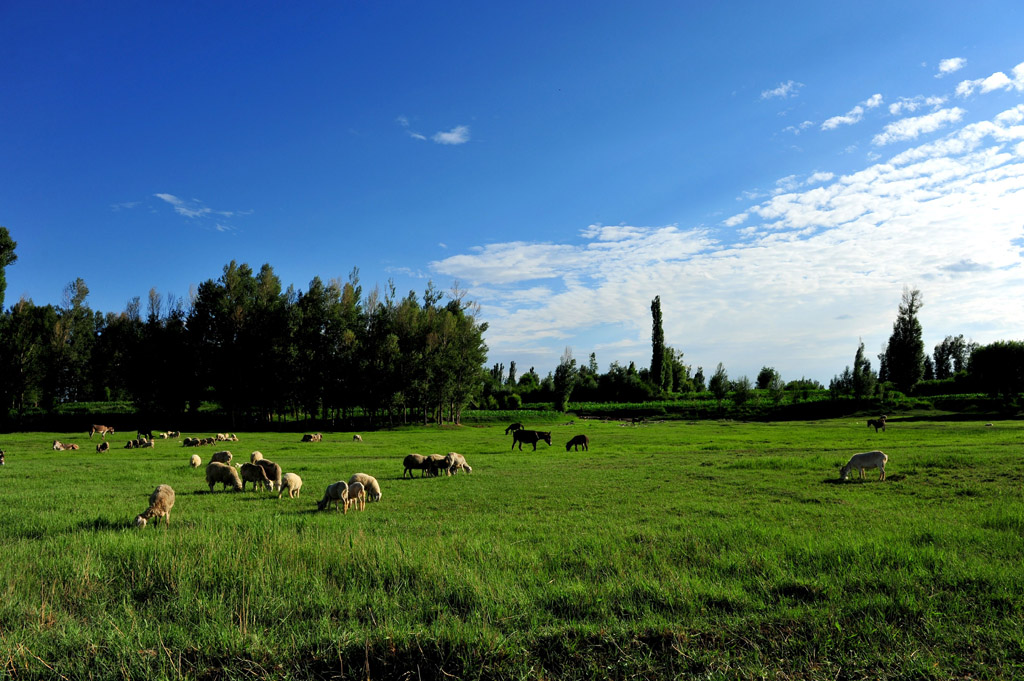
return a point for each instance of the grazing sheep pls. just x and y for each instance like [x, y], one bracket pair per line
[145, 444]
[58, 446]
[3, 461]
[437, 463]
[175, 434]
[874, 459]
[224, 474]
[131, 444]
[415, 462]
[144, 434]
[312, 437]
[458, 462]
[255, 456]
[232, 437]
[357, 495]
[292, 483]
[273, 472]
[190, 442]
[877, 423]
[250, 472]
[161, 501]
[102, 447]
[530, 437]
[578, 441]
[336, 492]
[195, 461]
[357, 438]
[512, 427]
[369, 483]
[102, 430]
[73, 447]
[222, 457]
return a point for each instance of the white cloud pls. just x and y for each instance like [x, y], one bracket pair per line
[854, 115]
[912, 104]
[124, 205]
[947, 66]
[873, 101]
[457, 135]
[820, 266]
[194, 209]
[997, 81]
[797, 129]
[784, 90]
[404, 122]
[911, 128]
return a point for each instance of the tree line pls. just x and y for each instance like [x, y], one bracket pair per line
[259, 351]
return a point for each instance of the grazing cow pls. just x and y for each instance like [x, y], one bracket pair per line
[530, 437]
[513, 427]
[578, 441]
[102, 430]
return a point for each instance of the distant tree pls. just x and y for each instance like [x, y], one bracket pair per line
[951, 355]
[512, 373]
[565, 379]
[7, 257]
[904, 354]
[765, 376]
[678, 371]
[698, 380]
[863, 379]
[842, 384]
[929, 368]
[998, 368]
[776, 389]
[658, 374]
[742, 390]
[719, 384]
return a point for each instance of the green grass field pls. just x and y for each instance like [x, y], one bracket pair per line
[712, 550]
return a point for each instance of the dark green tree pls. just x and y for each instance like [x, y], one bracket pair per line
[7, 257]
[904, 354]
[765, 376]
[658, 374]
[565, 379]
[719, 384]
[863, 379]
[998, 368]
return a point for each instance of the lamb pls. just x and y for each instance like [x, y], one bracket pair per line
[250, 472]
[357, 438]
[195, 461]
[102, 447]
[369, 483]
[161, 501]
[357, 495]
[874, 459]
[458, 462]
[222, 457]
[273, 472]
[336, 492]
[578, 441]
[224, 474]
[255, 456]
[292, 483]
[415, 462]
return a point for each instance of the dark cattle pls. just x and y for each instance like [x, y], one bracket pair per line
[513, 427]
[578, 441]
[530, 437]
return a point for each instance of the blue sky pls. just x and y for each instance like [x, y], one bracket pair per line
[776, 175]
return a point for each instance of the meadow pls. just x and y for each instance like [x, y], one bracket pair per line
[711, 550]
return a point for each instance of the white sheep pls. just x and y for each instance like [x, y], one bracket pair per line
[292, 483]
[160, 503]
[874, 459]
[273, 472]
[224, 474]
[357, 495]
[357, 438]
[255, 456]
[195, 461]
[369, 483]
[458, 462]
[221, 457]
[336, 492]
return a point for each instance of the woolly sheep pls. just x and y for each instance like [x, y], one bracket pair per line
[71, 446]
[874, 459]
[175, 434]
[222, 457]
[161, 501]
[250, 472]
[458, 463]
[357, 495]
[195, 461]
[357, 438]
[102, 447]
[292, 483]
[255, 456]
[415, 462]
[3, 461]
[58, 446]
[273, 472]
[224, 474]
[369, 483]
[336, 492]
[437, 463]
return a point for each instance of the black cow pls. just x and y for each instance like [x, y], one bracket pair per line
[530, 437]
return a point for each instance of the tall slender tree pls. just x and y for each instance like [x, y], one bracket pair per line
[7, 257]
[904, 354]
[657, 347]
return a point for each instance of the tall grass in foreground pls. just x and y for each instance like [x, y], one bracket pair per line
[709, 550]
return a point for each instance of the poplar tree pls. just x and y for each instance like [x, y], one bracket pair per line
[657, 346]
[7, 257]
[904, 354]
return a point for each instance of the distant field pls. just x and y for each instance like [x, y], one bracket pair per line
[669, 550]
